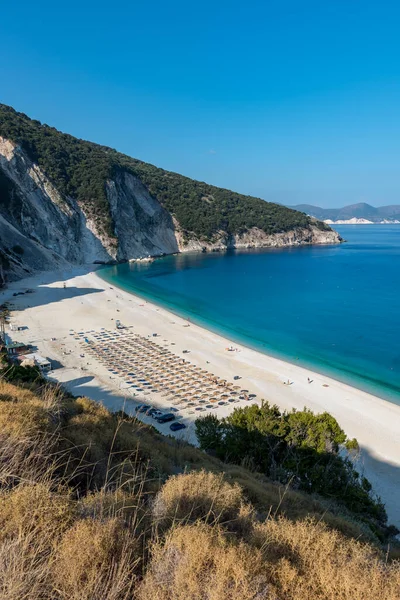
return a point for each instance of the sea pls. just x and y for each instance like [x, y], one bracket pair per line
[333, 309]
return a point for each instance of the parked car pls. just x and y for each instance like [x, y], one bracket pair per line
[143, 408]
[157, 414]
[151, 412]
[177, 426]
[166, 417]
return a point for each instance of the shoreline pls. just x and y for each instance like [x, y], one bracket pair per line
[90, 302]
[375, 388]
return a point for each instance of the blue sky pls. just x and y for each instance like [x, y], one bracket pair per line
[293, 101]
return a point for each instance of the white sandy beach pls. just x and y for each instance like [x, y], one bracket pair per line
[89, 303]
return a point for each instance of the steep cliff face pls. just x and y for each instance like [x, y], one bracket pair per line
[36, 217]
[143, 227]
[49, 231]
[42, 228]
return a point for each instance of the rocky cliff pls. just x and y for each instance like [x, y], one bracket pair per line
[47, 223]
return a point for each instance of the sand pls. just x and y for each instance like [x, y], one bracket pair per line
[89, 303]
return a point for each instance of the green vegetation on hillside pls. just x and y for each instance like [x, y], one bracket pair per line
[81, 169]
[98, 506]
[298, 448]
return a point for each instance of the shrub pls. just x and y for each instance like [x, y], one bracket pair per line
[35, 508]
[189, 536]
[201, 495]
[198, 562]
[22, 374]
[96, 560]
[307, 560]
[299, 448]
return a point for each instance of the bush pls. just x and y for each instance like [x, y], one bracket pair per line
[198, 562]
[136, 533]
[35, 509]
[17, 373]
[307, 560]
[298, 448]
[96, 560]
[201, 495]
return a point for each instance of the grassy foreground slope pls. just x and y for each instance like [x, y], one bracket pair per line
[97, 506]
[80, 169]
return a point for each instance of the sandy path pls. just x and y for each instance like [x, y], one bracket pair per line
[90, 303]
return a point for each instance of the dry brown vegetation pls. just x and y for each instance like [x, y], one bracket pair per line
[96, 506]
[199, 561]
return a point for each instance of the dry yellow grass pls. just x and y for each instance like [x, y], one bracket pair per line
[29, 424]
[35, 508]
[25, 567]
[197, 563]
[89, 511]
[96, 560]
[22, 419]
[275, 499]
[12, 393]
[201, 495]
[307, 560]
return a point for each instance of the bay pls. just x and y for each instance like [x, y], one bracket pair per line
[333, 309]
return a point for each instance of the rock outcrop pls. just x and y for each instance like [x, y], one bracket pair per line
[256, 238]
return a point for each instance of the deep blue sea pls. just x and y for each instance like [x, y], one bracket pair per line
[333, 309]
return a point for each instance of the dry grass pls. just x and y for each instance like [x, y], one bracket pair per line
[201, 495]
[96, 560]
[28, 434]
[197, 563]
[35, 508]
[22, 419]
[91, 508]
[25, 567]
[273, 498]
[307, 560]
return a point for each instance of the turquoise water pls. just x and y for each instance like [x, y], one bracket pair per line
[333, 309]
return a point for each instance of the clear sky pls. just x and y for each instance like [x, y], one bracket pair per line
[290, 100]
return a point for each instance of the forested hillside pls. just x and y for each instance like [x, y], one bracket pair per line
[81, 169]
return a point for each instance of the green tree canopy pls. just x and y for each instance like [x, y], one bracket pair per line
[300, 448]
[81, 169]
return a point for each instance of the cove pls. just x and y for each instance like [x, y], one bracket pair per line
[332, 309]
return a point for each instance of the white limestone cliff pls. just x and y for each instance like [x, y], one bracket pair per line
[54, 230]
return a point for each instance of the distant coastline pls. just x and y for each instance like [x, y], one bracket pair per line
[357, 221]
[353, 214]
